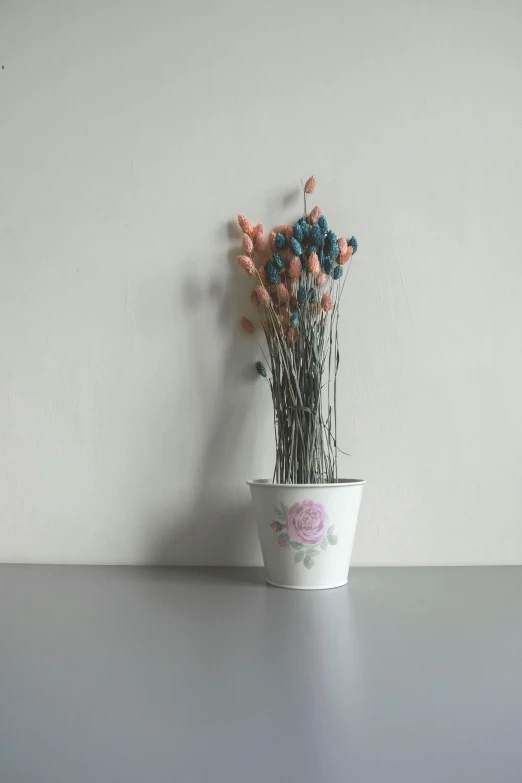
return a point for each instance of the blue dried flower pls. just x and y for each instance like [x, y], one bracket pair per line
[338, 272]
[296, 247]
[260, 367]
[301, 294]
[327, 264]
[272, 272]
[306, 230]
[294, 320]
[312, 295]
[298, 232]
[278, 261]
[330, 243]
[280, 241]
[323, 225]
[316, 234]
[353, 243]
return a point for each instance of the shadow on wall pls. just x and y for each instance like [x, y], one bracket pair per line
[216, 530]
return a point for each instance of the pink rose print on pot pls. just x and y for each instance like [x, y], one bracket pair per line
[307, 522]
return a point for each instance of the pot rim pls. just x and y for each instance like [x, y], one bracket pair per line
[344, 482]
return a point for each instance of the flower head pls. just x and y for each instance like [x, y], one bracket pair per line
[247, 264]
[313, 264]
[272, 272]
[346, 255]
[245, 224]
[327, 264]
[294, 320]
[258, 237]
[326, 301]
[301, 295]
[316, 235]
[315, 214]
[247, 243]
[338, 272]
[310, 185]
[321, 280]
[281, 293]
[296, 246]
[263, 297]
[330, 244]
[353, 243]
[278, 261]
[279, 241]
[298, 232]
[260, 367]
[294, 267]
[247, 326]
[342, 244]
[323, 224]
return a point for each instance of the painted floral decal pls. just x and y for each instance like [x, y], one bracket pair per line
[304, 527]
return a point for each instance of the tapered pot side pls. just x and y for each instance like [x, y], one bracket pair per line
[307, 531]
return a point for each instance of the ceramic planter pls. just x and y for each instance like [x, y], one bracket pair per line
[307, 531]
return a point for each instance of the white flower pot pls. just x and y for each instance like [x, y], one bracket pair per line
[307, 531]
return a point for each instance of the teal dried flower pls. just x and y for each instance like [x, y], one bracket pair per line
[316, 234]
[353, 243]
[301, 294]
[323, 224]
[298, 232]
[330, 244]
[338, 272]
[306, 230]
[294, 320]
[278, 261]
[272, 272]
[327, 264]
[312, 295]
[260, 367]
[280, 241]
[296, 247]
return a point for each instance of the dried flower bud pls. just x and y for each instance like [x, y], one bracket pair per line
[315, 214]
[342, 244]
[258, 237]
[313, 264]
[247, 243]
[294, 267]
[310, 185]
[247, 326]
[260, 367]
[247, 264]
[263, 297]
[321, 280]
[281, 293]
[244, 224]
[326, 301]
[346, 255]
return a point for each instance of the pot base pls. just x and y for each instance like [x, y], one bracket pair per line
[320, 587]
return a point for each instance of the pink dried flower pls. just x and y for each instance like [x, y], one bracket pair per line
[322, 280]
[254, 298]
[244, 224]
[281, 293]
[294, 267]
[315, 214]
[314, 266]
[247, 243]
[285, 320]
[258, 237]
[346, 255]
[271, 240]
[310, 185]
[263, 297]
[247, 326]
[247, 264]
[326, 301]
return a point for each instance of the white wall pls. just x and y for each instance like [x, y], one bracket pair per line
[131, 134]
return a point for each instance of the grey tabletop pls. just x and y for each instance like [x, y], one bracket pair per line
[147, 675]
